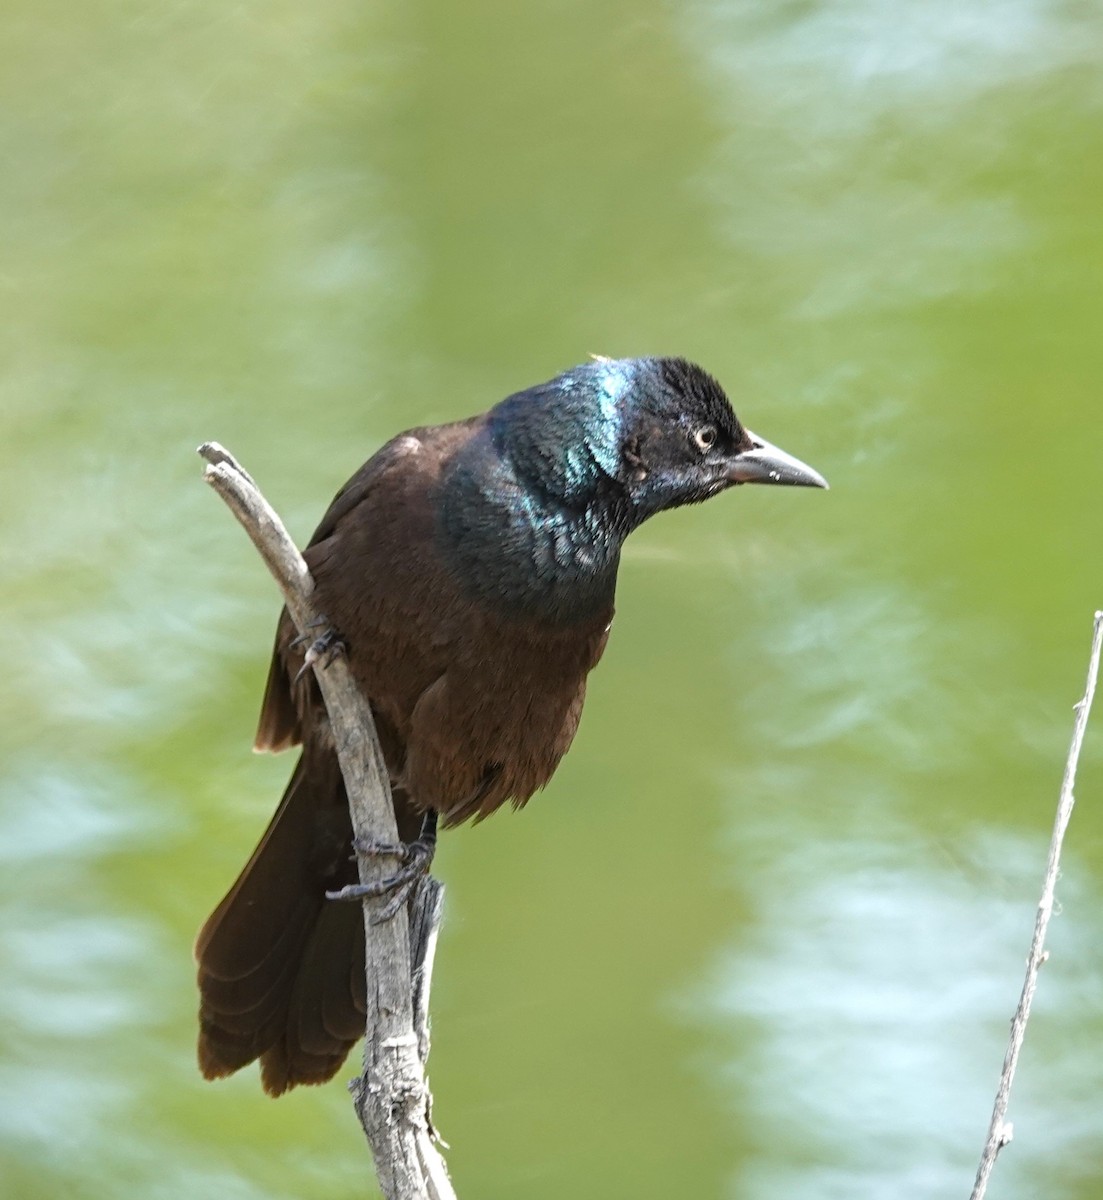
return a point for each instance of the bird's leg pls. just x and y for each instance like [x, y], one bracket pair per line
[416, 858]
[324, 649]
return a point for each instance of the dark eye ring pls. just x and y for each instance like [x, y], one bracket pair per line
[705, 437]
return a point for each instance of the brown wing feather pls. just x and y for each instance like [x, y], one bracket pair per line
[281, 710]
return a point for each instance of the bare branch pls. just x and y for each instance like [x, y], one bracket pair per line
[999, 1131]
[392, 1097]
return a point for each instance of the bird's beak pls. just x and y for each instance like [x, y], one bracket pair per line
[764, 463]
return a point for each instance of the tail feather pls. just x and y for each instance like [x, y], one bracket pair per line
[325, 1012]
[252, 985]
[274, 956]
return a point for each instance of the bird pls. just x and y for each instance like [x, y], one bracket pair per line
[469, 572]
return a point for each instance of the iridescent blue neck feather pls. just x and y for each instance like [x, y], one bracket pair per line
[533, 510]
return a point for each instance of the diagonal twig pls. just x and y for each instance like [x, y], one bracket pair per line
[999, 1130]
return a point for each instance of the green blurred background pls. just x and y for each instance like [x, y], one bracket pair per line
[762, 935]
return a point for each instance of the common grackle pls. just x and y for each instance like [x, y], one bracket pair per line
[469, 570]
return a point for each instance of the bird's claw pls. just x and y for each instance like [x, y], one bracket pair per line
[369, 849]
[416, 858]
[301, 638]
[323, 649]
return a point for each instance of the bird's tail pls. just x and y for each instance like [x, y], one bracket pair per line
[281, 968]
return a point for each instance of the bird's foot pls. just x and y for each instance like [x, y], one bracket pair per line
[416, 858]
[324, 649]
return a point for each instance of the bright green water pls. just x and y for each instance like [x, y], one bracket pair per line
[763, 934]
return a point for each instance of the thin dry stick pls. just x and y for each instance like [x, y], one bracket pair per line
[392, 1097]
[999, 1131]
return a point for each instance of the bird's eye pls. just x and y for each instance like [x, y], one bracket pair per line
[705, 437]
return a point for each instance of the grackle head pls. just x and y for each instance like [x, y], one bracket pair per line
[682, 443]
[656, 433]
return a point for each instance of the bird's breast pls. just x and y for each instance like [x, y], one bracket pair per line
[526, 560]
[495, 723]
